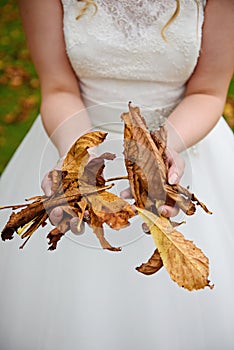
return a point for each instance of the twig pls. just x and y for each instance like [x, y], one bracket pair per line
[117, 178]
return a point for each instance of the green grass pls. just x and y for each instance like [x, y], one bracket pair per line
[19, 87]
[231, 88]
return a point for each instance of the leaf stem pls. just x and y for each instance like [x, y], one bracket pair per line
[117, 178]
[14, 206]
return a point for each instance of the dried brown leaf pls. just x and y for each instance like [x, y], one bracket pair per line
[81, 186]
[153, 265]
[145, 166]
[56, 234]
[97, 226]
[93, 171]
[111, 209]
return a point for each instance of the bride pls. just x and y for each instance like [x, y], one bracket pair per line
[174, 59]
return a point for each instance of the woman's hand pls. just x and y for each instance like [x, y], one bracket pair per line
[56, 214]
[176, 167]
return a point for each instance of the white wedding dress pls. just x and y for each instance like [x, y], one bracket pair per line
[80, 296]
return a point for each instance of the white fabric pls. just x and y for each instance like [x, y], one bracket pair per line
[113, 67]
[79, 296]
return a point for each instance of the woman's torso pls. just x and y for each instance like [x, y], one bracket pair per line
[119, 54]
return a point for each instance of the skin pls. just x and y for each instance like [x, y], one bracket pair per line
[203, 102]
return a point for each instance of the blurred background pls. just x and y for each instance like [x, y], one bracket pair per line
[19, 85]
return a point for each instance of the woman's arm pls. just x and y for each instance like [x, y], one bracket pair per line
[206, 90]
[43, 25]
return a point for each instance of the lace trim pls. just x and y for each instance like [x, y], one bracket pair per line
[156, 117]
[98, 49]
[132, 17]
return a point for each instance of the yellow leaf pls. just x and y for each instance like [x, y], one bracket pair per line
[77, 157]
[186, 264]
[82, 204]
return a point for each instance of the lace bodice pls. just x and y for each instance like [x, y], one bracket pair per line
[134, 16]
[119, 53]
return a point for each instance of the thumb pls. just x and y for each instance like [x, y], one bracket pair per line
[56, 215]
[173, 177]
[176, 167]
[46, 185]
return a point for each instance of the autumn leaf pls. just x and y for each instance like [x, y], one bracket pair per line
[142, 160]
[186, 264]
[93, 171]
[79, 186]
[147, 167]
[77, 157]
[97, 226]
[82, 205]
[153, 265]
[111, 209]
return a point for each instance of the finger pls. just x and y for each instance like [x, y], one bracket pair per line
[134, 208]
[46, 185]
[145, 228]
[168, 211]
[59, 164]
[86, 216]
[77, 230]
[56, 215]
[176, 170]
[126, 193]
[173, 176]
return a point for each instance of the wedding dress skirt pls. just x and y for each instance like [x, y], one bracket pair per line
[80, 296]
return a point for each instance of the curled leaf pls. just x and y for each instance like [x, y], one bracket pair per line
[77, 157]
[147, 167]
[153, 265]
[97, 226]
[81, 186]
[111, 209]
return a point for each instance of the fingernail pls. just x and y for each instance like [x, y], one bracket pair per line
[162, 211]
[173, 179]
[57, 212]
[48, 193]
[145, 228]
[86, 217]
[124, 194]
[75, 221]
